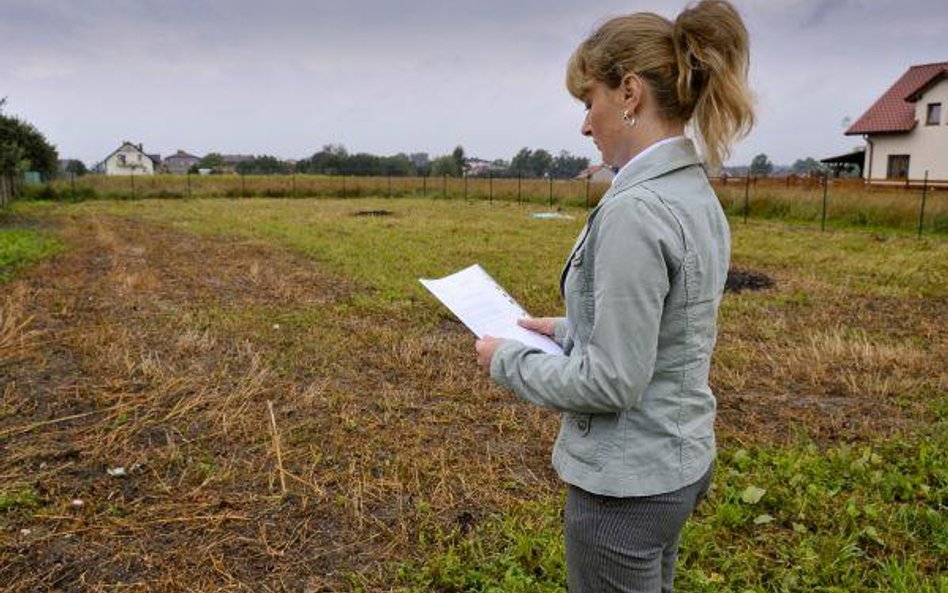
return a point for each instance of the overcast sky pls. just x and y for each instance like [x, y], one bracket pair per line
[286, 77]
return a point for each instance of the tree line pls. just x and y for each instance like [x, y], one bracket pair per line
[334, 159]
[24, 148]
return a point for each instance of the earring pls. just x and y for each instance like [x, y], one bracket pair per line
[627, 119]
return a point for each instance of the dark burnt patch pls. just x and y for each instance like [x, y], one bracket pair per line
[741, 279]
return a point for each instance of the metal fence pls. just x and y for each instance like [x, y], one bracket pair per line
[9, 188]
[908, 205]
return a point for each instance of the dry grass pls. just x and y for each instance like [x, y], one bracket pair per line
[288, 423]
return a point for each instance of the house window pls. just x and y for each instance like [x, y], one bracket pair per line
[934, 114]
[898, 166]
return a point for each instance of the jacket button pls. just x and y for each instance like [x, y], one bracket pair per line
[583, 425]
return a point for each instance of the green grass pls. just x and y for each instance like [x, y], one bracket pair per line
[21, 248]
[390, 253]
[20, 499]
[853, 519]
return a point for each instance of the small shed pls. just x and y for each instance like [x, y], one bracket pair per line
[851, 160]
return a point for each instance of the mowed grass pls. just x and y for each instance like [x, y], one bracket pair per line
[832, 474]
[20, 248]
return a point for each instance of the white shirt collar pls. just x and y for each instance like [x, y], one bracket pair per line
[647, 150]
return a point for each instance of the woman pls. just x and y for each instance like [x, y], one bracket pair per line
[642, 287]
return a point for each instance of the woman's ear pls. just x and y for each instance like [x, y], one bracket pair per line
[632, 90]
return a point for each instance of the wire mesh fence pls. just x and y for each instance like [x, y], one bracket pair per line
[917, 205]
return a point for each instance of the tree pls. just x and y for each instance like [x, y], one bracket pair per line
[213, 161]
[541, 163]
[807, 166]
[421, 163]
[262, 165]
[761, 165]
[459, 159]
[77, 168]
[521, 163]
[567, 166]
[445, 165]
[532, 163]
[24, 148]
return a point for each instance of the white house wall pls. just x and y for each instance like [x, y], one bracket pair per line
[930, 149]
[135, 163]
[927, 146]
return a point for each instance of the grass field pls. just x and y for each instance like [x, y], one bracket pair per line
[160, 333]
[848, 202]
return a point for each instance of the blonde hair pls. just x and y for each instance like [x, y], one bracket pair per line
[696, 68]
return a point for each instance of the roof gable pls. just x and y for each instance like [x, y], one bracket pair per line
[124, 145]
[894, 111]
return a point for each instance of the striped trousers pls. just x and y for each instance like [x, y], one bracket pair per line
[626, 545]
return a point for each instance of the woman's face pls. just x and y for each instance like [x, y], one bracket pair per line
[603, 123]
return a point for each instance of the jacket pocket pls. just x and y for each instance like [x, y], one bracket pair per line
[579, 441]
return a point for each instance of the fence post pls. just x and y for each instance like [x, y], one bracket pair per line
[343, 186]
[465, 185]
[825, 190]
[424, 186]
[390, 185]
[551, 189]
[131, 177]
[72, 180]
[293, 185]
[747, 186]
[189, 183]
[444, 185]
[243, 186]
[490, 187]
[587, 191]
[921, 214]
[519, 183]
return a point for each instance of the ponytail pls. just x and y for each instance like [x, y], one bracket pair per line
[711, 50]
[696, 68]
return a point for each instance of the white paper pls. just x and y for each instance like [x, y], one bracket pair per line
[485, 307]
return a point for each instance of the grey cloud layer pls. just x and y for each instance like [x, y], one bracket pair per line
[287, 77]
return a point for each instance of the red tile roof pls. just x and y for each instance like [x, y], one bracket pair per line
[894, 111]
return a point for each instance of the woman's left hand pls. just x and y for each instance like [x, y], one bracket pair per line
[485, 351]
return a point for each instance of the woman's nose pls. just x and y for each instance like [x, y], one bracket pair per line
[586, 129]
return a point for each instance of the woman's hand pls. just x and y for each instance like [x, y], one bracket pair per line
[485, 351]
[541, 325]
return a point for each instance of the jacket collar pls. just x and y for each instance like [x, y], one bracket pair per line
[669, 156]
[665, 158]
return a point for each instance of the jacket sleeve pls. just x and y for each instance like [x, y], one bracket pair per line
[633, 246]
[561, 334]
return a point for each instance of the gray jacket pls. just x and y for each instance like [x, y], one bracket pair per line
[642, 288]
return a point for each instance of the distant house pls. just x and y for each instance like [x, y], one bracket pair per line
[474, 167]
[597, 174]
[128, 159]
[906, 129]
[180, 162]
[232, 160]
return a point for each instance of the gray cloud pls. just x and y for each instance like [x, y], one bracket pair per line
[286, 77]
